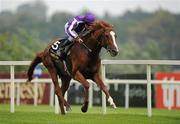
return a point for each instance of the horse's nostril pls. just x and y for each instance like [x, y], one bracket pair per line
[113, 52]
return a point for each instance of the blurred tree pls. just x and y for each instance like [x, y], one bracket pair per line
[162, 28]
[140, 35]
[36, 9]
[122, 23]
[33, 16]
[57, 22]
[7, 21]
[21, 46]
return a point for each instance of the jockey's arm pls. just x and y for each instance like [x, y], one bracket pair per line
[79, 39]
[71, 32]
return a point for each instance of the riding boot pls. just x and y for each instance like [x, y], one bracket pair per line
[64, 48]
[65, 43]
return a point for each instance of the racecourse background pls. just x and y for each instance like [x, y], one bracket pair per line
[148, 81]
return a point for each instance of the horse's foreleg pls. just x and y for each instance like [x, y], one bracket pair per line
[103, 87]
[79, 77]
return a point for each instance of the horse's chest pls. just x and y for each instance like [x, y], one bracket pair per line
[88, 73]
[90, 70]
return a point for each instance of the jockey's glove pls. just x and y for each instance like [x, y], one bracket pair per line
[79, 40]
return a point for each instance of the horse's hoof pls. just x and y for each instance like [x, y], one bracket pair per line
[84, 108]
[68, 109]
[63, 113]
[114, 106]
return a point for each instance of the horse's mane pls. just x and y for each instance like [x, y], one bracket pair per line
[102, 24]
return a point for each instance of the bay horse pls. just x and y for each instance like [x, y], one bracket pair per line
[81, 63]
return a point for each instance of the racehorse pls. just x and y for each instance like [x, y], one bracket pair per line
[83, 62]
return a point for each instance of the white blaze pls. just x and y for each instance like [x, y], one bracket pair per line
[114, 41]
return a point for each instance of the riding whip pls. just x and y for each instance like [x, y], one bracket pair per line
[86, 47]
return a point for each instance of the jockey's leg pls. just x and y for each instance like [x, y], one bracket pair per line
[64, 47]
[100, 83]
[65, 43]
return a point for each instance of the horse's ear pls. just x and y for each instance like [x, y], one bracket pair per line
[102, 24]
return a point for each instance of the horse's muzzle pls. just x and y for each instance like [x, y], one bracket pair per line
[113, 52]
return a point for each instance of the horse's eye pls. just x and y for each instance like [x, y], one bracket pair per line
[106, 36]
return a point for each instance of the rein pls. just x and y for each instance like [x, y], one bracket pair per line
[100, 31]
[84, 34]
[86, 47]
[89, 31]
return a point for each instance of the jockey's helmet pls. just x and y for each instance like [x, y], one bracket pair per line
[89, 18]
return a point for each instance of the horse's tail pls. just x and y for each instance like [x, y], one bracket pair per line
[37, 59]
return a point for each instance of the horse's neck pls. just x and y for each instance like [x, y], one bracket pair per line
[93, 45]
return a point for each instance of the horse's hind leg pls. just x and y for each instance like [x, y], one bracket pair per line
[103, 87]
[65, 80]
[58, 92]
[79, 77]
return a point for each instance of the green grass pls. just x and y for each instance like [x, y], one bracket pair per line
[45, 115]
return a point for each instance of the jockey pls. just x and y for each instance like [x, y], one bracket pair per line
[73, 28]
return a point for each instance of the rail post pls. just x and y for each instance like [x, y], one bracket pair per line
[51, 99]
[57, 109]
[35, 91]
[12, 109]
[149, 103]
[103, 71]
[56, 105]
[126, 96]
[17, 94]
[91, 95]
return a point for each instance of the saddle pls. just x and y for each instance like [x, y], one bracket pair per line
[59, 49]
[58, 52]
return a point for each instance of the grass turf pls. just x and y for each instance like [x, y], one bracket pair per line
[42, 114]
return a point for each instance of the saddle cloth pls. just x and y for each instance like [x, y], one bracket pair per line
[55, 48]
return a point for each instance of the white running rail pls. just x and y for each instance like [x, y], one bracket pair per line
[148, 81]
